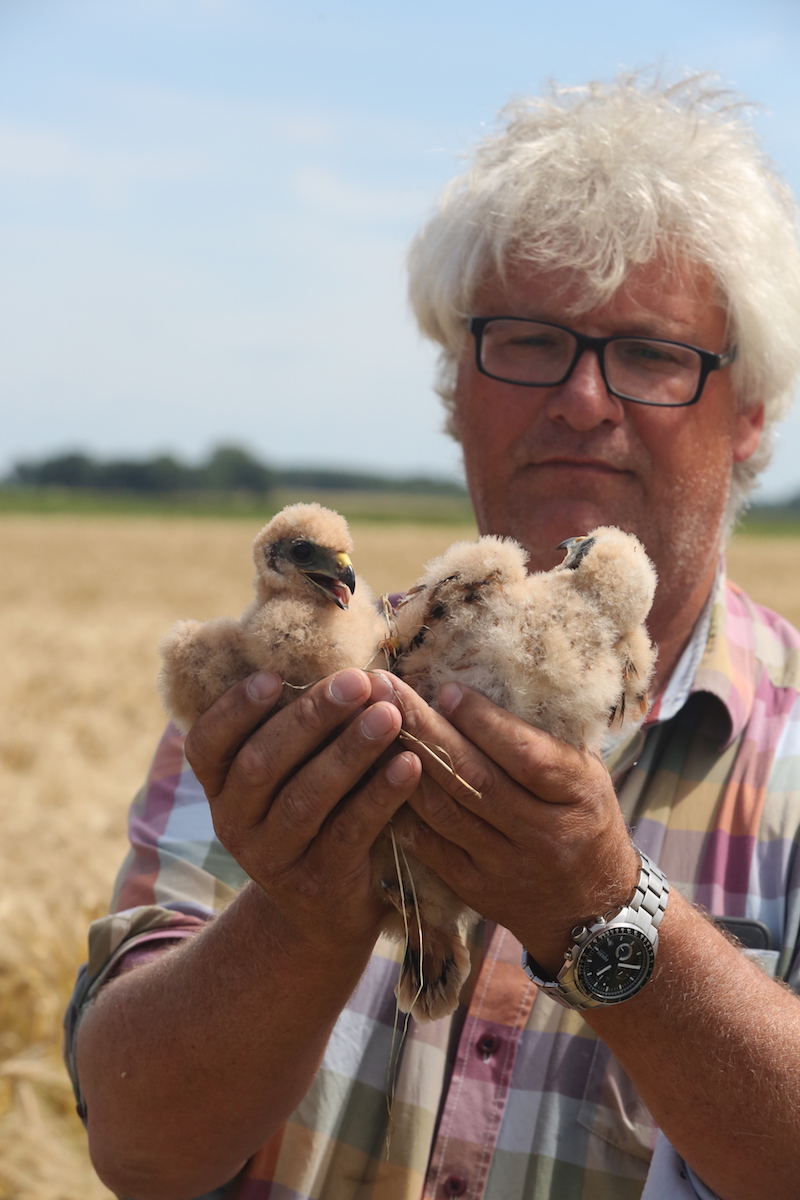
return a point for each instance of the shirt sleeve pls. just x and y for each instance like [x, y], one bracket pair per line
[670, 1178]
[175, 878]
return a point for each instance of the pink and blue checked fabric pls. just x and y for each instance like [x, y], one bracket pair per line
[512, 1098]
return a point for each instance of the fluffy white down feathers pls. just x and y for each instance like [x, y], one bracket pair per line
[565, 650]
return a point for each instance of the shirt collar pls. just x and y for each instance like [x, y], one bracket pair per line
[719, 660]
[681, 682]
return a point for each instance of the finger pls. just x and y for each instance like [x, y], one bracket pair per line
[336, 866]
[357, 822]
[463, 795]
[308, 798]
[464, 771]
[229, 744]
[575, 811]
[382, 686]
[448, 817]
[452, 863]
[449, 838]
[551, 769]
[509, 763]
[287, 812]
[217, 736]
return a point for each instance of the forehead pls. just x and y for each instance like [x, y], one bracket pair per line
[679, 301]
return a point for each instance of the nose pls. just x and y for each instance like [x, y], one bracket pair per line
[583, 401]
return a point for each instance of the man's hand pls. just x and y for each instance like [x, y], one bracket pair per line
[299, 799]
[544, 847]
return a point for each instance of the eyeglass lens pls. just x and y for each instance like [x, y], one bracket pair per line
[657, 372]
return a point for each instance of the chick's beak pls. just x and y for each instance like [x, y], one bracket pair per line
[335, 576]
[346, 573]
[577, 548]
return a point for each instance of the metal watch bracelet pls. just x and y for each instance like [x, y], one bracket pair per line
[643, 911]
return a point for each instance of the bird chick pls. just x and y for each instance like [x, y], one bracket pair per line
[585, 631]
[307, 619]
[565, 650]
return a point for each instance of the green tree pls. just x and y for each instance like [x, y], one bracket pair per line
[230, 469]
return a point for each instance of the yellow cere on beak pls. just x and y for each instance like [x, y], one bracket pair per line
[346, 573]
[336, 578]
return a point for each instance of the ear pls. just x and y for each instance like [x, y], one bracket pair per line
[747, 429]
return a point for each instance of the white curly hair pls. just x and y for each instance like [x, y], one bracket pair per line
[603, 178]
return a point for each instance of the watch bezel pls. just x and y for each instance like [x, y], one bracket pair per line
[615, 931]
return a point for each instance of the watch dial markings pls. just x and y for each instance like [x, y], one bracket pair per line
[615, 964]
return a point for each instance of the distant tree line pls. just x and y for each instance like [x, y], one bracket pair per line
[227, 469]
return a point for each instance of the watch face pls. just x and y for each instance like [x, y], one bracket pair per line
[616, 964]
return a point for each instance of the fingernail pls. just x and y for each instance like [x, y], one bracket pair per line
[377, 722]
[402, 768]
[382, 688]
[264, 686]
[449, 697]
[347, 686]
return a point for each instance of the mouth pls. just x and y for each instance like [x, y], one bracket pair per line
[338, 588]
[595, 465]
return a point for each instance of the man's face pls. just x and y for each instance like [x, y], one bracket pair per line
[544, 464]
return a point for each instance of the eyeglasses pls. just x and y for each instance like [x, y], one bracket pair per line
[644, 370]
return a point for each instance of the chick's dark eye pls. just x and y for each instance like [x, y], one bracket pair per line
[302, 552]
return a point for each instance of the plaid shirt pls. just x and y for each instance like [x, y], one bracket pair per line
[513, 1097]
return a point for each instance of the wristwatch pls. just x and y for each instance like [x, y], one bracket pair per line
[613, 957]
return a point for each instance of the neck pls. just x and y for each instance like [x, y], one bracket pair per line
[671, 623]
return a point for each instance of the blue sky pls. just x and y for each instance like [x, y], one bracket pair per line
[205, 204]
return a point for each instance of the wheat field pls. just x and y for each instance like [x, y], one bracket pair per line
[83, 603]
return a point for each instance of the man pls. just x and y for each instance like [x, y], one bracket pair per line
[616, 288]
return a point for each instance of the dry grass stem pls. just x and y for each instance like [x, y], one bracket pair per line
[442, 758]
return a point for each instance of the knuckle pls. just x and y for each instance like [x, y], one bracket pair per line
[348, 831]
[460, 774]
[588, 781]
[253, 763]
[300, 808]
[309, 711]
[228, 833]
[548, 765]
[311, 885]
[416, 719]
[479, 775]
[358, 822]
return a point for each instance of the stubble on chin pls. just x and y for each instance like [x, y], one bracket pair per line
[539, 515]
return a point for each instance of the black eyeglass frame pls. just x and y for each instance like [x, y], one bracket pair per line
[708, 360]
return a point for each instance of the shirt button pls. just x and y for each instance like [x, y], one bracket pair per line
[487, 1046]
[454, 1185]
